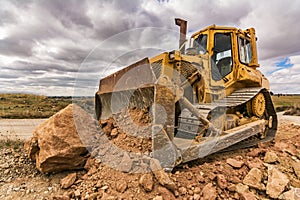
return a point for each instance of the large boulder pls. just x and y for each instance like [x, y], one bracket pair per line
[56, 144]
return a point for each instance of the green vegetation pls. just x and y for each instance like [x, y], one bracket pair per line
[11, 143]
[19, 106]
[286, 101]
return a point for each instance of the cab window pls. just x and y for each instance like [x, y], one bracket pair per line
[245, 53]
[222, 56]
[200, 43]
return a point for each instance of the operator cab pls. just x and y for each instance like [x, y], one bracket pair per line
[229, 48]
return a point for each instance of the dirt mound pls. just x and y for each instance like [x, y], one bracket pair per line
[282, 108]
[294, 111]
[267, 171]
[289, 110]
[131, 137]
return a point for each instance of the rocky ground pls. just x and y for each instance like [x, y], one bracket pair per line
[271, 170]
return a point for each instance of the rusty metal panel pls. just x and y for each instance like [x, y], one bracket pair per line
[134, 76]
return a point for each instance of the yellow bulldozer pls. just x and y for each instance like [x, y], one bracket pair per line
[201, 99]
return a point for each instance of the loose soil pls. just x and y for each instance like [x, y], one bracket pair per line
[19, 178]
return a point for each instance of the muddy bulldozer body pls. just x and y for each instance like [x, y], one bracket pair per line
[203, 99]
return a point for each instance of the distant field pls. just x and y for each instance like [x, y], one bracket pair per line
[22, 106]
[19, 106]
[286, 101]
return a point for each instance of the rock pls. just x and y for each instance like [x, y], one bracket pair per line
[197, 197]
[189, 176]
[241, 188]
[231, 188]
[146, 182]
[248, 196]
[286, 147]
[155, 165]
[126, 163]
[56, 144]
[211, 176]
[255, 163]
[182, 191]
[295, 182]
[197, 190]
[92, 170]
[60, 197]
[94, 196]
[221, 181]
[89, 163]
[292, 194]
[277, 182]
[209, 192]
[281, 145]
[158, 197]
[161, 176]
[31, 146]
[234, 163]
[121, 186]
[254, 178]
[68, 181]
[256, 152]
[165, 193]
[77, 193]
[114, 132]
[4, 166]
[296, 167]
[107, 126]
[164, 179]
[108, 197]
[105, 187]
[270, 157]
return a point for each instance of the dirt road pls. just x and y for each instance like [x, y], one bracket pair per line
[23, 128]
[288, 118]
[18, 128]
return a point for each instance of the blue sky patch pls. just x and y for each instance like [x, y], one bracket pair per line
[284, 63]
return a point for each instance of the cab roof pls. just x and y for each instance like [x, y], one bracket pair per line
[215, 27]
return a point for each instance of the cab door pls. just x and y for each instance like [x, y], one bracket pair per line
[222, 57]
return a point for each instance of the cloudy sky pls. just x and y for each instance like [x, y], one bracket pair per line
[50, 47]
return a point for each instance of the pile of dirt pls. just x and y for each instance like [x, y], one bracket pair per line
[282, 108]
[294, 111]
[129, 140]
[289, 110]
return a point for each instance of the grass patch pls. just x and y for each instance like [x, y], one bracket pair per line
[11, 143]
[286, 101]
[22, 106]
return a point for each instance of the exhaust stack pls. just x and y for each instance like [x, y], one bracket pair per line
[183, 24]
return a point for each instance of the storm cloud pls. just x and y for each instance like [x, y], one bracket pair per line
[54, 47]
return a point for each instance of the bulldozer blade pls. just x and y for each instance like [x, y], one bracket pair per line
[131, 86]
[131, 77]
